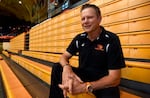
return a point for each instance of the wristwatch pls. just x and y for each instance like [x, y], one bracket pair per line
[66, 65]
[89, 87]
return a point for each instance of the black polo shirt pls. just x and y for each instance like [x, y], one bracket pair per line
[98, 56]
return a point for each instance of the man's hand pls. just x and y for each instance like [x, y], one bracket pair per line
[69, 81]
[77, 86]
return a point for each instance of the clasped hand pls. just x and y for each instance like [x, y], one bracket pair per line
[71, 83]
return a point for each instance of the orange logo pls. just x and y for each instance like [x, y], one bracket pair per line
[99, 47]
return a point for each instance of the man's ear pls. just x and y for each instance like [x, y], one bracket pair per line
[100, 19]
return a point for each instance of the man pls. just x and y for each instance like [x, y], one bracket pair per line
[100, 61]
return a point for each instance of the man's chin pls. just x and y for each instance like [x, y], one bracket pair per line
[87, 30]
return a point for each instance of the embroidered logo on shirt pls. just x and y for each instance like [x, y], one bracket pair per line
[83, 44]
[99, 47]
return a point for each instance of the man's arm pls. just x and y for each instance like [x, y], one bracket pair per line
[67, 70]
[64, 59]
[68, 76]
[111, 80]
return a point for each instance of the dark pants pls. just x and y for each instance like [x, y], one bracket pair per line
[56, 92]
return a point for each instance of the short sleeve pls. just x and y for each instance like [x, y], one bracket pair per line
[115, 54]
[72, 48]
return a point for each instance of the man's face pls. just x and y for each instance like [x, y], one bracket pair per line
[89, 20]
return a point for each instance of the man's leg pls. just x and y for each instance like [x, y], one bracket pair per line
[111, 92]
[55, 91]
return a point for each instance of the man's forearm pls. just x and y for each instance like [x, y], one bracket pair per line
[64, 60]
[111, 80]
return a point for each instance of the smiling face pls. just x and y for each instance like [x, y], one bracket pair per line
[90, 20]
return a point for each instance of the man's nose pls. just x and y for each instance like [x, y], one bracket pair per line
[85, 20]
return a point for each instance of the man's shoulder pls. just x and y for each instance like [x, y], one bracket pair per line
[110, 34]
[82, 35]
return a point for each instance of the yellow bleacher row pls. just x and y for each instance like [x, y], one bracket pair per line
[135, 44]
[13, 86]
[18, 42]
[136, 71]
[130, 72]
[39, 70]
[50, 57]
[6, 53]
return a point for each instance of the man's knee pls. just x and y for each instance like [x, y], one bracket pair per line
[56, 74]
[57, 67]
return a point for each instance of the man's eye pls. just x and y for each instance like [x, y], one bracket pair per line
[82, 18]
[90, 17]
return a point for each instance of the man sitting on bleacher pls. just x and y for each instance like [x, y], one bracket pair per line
[100, 61]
